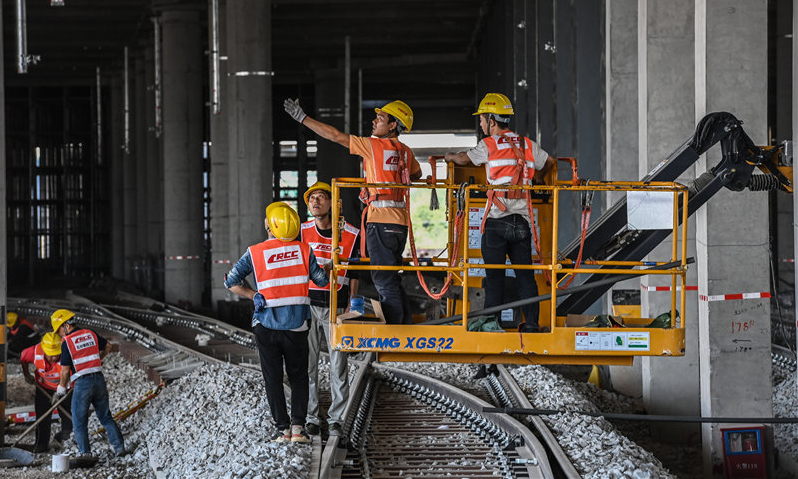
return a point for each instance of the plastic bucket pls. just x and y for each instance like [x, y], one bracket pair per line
[60, 463]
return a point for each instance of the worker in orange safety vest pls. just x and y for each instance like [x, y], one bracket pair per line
[509, 159]
[45, 358]
[317, 233]
[282, 267]
[21, 333]
[385, 160]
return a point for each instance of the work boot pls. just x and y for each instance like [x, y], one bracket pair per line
[493, 370]
[312, 429]
[335, 429]
[482, 372]
[298, 435]
[281, 436]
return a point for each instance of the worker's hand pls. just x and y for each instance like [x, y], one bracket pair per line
[327, 267]
[59, 393]
[260, 302]
[292, 108]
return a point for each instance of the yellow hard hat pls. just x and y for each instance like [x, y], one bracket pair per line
[495, 103]
[51, 344]
[319, 185]
[60, 317]
[11, 319]
[283, 221]
[401, 111]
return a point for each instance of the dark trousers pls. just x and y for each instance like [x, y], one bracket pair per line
[275, 348]
[511, 237]
[385, 243]
[42, 403]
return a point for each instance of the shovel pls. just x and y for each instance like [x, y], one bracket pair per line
[61, 410]
[40, 419]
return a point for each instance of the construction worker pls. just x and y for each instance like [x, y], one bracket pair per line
[282, 267]
[385, 160]
[45, 358]
[508, 159]
[21, 333]
[82, 352]
[317, 233]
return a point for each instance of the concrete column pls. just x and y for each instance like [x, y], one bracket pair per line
[116, 174]
[220, 177]
[182, 154]
[621, 136]
[130, 200]
[3, 245]
[665, 121]
[732, 228]
[153, 274]
[249, 121]
[138, 140]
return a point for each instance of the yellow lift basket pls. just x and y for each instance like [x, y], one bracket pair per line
[563, 340]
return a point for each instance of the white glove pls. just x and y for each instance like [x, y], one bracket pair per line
[60, 391]
[292, 108]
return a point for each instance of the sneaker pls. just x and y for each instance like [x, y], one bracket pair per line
[335, 429]
[281, 436]
[122, 452]
[312, 429]
[298, 435]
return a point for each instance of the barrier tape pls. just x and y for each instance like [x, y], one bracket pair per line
[787, 260]
[177, 258]
[221, 261]
[23, 417]
[666, 288]
[728, 297]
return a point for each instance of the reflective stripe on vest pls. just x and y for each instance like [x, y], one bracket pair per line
[502, 159]
[281, 271]
[322, 248]
[85, 350]
[385, 157]
[49, 377]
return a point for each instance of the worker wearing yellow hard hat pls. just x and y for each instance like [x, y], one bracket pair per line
[385, 160]
[282, 267]
[511, 159]
[45, 358]
[82, 353]
[317, 233]
[21, 333]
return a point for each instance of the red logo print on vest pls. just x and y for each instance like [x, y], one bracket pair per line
[285, 256]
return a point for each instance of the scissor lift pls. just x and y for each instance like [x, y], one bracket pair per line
[563, 342]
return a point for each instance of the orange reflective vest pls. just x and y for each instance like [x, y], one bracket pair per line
[390, 158]
[47, 374]
[85, 350]
[322, 248]
[510, 162]
[281, 271]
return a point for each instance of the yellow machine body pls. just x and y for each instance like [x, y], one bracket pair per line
[564, 340]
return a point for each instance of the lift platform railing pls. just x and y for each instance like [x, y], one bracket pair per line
[559, 269]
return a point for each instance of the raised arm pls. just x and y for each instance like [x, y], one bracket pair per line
[328, 132]
[460, 158]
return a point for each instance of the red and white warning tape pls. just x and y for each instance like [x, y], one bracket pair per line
[666, 288]
[728, 297]
[787, 260]
[221, 261]
[177, 258]
[23, 417]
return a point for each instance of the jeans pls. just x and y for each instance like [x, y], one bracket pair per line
[385, 243]
[510, 236]
[42, 403]
[91, 389]
[276, 347]
[339, 370]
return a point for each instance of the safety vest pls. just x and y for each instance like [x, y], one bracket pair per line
[322, 248]
[502, 165]
[281, 271]
[47, 374]
[389, 157]
[85, 350]
[21, 322]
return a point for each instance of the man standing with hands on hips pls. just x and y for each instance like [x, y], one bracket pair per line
[317, 233]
